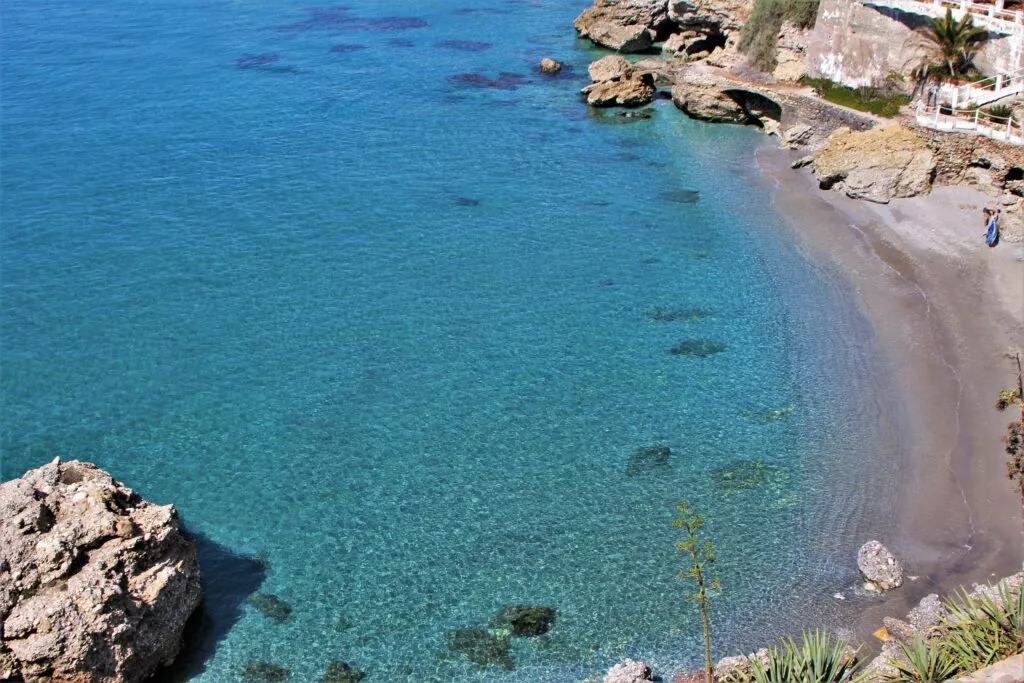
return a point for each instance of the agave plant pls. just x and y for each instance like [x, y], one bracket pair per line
[924, 663]
[817, 658]
[985, 628]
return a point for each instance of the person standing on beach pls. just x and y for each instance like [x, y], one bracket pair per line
[991, 226]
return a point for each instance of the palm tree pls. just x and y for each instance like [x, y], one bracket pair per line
[951, 46]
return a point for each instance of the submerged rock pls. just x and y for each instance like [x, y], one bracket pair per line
[749, 474]
[264, 672]
[629, 671]
[525, 620]
[92, 578]
[482, 646]
[271, 606]
[672, 315]
[881, 570]
[342, 672]
[697, 348]
[647, 458]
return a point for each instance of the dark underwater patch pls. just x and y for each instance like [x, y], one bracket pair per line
[504, 81]
[466, 201]
[271, 606]
[347, 47]
[481, 646]
[648, 459]
[466, 11]
[681, 196]
[257, 61]
[692, 314]
[750, 474]
[401, 42]
[465, 45]
[396, 23]
[697, 348]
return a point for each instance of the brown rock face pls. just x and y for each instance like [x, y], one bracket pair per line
[877, 164]
[95, 583]
[635, 90]
[708, 104]
[623, 25]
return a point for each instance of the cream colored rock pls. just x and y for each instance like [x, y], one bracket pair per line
[633, 91]
[625, 26]
[608, 68]
[550, 66]
[629, 671]
[878, 164]
[708, 104]
[95, 583]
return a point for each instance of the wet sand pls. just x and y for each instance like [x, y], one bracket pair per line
[946, 310]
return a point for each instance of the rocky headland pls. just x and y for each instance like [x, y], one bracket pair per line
[96, 584]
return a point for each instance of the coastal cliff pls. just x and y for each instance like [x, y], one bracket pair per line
[97, 583]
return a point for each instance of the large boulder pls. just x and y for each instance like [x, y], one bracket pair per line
[634, 91]
[629, 671]
[708, 104]
[878, 164]
[881, 570]
[618, 82]
[609, 68]
[623, 25]
[550, 66]
[718, 15]
[95, 583]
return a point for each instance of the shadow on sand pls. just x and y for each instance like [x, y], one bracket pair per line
[228, 580]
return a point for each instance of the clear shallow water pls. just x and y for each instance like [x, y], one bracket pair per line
[389, 331]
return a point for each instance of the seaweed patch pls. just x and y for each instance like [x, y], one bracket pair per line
[257, 61]
[681, 196]
[347, 47]
[675, 315]
[504, 81]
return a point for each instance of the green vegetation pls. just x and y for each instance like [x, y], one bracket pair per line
[999, 111]
[341, 672]
[949, 47]
[483, 647]
[817, 658]
[760, 36]
[702, 556]
[1014, 438]
[525, 620]
[882, 101]
[979, 631]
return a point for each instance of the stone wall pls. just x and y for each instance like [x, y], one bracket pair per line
[858, 45]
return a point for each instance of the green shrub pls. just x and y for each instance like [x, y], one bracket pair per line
[999, 111]
[925, 663]
[760, 36]
[878, 101]
[985, 629]
[817, 658]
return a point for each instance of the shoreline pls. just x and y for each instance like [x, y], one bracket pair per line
[944, 309]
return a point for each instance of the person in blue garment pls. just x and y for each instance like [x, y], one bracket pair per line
[991, 226]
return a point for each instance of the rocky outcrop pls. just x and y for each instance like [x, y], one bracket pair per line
[740, 667]
[550, 66]
[708, 104]
[623, 25]
[618, 82]
[790, 53]
[877, 165]
[880, 568]
[95, 583]
[629, 671]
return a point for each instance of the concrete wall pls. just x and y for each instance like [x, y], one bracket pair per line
[857, 45]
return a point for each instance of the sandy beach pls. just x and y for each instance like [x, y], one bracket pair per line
[946, 310]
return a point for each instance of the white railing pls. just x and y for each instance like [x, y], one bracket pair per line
[1002, 128]
[983, 92]
[991, 16]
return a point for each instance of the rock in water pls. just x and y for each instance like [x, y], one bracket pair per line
[95, 583]
[525, 620]
[628, 671]
[550, 66]
[881, 570]
[623, 26]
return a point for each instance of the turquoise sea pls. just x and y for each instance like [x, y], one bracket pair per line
[387, 315]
